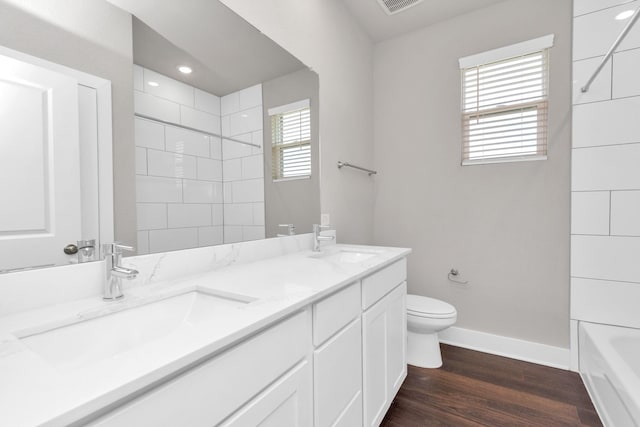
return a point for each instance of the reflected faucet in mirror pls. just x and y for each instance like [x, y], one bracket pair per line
[317, 237]
[86, 250]
[291, 230]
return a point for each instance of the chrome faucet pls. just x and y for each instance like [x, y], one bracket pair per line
[115, 272]
[317, 238]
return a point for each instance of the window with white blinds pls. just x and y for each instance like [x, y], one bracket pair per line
[291, 141]
[505, 106]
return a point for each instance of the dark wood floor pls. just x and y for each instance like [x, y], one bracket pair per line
[479, 389]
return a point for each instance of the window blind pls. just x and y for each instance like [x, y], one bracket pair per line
[504, 109]
[291, 143]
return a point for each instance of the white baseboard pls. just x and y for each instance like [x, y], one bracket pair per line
[542, 354]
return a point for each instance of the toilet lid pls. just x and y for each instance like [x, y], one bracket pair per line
[418, 305]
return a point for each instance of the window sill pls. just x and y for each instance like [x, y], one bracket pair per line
[293, 178]
[502, 160]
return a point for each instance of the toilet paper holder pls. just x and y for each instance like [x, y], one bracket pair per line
[453, 276]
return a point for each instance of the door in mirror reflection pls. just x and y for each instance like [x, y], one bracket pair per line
[39, 165]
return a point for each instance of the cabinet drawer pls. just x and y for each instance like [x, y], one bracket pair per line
[208, 393]
[335, 312]
[382, 282]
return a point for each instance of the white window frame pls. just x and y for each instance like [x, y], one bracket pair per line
[276, 148]
[477, 112]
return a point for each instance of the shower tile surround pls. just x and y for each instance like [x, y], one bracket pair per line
[605, 198]
[193, 189]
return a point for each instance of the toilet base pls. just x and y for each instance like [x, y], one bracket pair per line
[423, 350]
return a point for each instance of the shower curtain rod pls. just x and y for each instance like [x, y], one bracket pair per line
[164, 122]
[621, 37]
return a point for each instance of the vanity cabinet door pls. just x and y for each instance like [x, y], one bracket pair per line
[287, 403]
[384, 335]
[338, 379]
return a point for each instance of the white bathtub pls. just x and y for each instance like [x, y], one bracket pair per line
[610, 369]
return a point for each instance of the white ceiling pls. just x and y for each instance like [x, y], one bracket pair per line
[381, 26]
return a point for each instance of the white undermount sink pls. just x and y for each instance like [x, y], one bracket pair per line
[89, 341]
[349, 255]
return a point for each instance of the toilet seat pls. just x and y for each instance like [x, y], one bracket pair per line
[420, 306]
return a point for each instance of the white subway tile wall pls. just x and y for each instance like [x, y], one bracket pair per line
[208, 236]
[161, 163]
[168, 88]
[199, 120]
[187, 142]
[588, 43]
[605, 211]
[202, 191]
[606, 123]
[613, 167]
[582, 7]
[173, 239]
[152, 106]
[141, 161]
[625, 213]
[590, 212]
[600, 88]
[184, 177]
[149, 135]
[625, 74]
[243, 165]
[216, 148]
[205, 101]
[152, 189]
[152, 216]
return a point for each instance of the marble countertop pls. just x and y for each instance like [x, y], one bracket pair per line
[33, 391]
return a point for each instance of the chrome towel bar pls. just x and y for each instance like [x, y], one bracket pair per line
[349, 165]
[621, 37]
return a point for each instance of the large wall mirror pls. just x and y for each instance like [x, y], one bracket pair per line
[224, 153]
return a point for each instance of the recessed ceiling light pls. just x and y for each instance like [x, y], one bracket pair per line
[154, 84]
[184, 69]
[624, 15]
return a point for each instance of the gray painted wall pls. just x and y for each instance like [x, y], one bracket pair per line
[294, 201]
[95, 37]
[504, 226]
[324, 36]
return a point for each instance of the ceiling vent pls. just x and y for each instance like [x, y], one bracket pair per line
[391, 7]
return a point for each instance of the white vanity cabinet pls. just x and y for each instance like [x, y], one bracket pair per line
[360, 334]
[274, 365]
[339, 363]
[384, 339]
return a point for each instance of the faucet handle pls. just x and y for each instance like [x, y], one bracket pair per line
[321, 227]
[116, 248]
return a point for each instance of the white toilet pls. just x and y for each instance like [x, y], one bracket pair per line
[425, 318]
